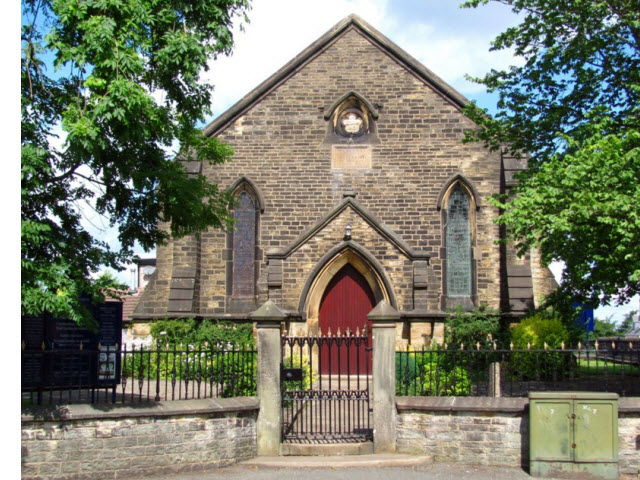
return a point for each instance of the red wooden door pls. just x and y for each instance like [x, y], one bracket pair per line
[345, 304]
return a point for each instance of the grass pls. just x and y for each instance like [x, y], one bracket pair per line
[599, 366]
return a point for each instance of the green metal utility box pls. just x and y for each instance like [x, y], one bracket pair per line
[573, 435]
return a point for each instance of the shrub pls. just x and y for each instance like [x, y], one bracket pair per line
[431, 374]
[196, 332]
[296, 361]
[481, 325]
[535, 331]
[538, 330]
[406, 374]
[442, 381]
[235, 374]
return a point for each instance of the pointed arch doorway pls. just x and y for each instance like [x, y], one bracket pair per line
[346, 301]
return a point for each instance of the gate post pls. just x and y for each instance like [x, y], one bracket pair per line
[383, 318]
[268, 319]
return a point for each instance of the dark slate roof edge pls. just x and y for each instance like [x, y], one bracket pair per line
[376, 224]
[317, 47]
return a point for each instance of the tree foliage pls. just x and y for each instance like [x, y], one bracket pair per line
[481, 325]
[196, 332]
[107, 281]
[574, 107]
[119, 81]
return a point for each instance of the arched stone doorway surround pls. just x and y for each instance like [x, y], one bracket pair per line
[347, 252]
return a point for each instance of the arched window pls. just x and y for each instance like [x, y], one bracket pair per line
[458, 203]
[242, 247]
[458, 244]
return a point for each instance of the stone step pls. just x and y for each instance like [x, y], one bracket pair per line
[339, 461]
[314, 449]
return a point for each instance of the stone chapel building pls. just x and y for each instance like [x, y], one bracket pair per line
[352, 186]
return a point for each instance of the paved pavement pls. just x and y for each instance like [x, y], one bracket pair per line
[337, 468]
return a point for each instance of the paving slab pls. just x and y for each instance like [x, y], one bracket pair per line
[366, 467]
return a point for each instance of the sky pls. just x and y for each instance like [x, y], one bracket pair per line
[451, 41]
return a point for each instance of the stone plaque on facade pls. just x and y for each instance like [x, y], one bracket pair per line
[351, 156]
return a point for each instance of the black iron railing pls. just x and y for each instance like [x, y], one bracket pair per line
[136, 374]
[325, 388]
[608, 366]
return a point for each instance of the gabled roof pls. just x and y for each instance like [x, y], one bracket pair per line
[316, 48]
[374, 222]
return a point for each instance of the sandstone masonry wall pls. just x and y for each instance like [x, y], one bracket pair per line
[492, 431]
[279, 145]
[82, 442]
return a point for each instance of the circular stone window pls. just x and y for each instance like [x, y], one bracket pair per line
[351, 123]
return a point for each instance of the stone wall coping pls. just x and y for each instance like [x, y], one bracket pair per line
[629, 405]
[487, 404]
[467, 404]
[142, 409]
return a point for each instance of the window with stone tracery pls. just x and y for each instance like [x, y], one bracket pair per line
[242, 250]
[458, 244]
[244, 246]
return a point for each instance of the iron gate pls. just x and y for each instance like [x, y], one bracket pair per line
[325, 388]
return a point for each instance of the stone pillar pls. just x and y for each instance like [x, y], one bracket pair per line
[384, 318]
[268, 319]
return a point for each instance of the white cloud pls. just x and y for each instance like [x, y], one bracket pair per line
[278, 31]
[449, 41]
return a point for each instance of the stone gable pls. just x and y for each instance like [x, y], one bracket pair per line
[283, 146]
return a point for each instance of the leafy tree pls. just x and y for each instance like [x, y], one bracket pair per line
[604, 328]
[107, 281]
[125, 88]
[574, 107]
[626, 324]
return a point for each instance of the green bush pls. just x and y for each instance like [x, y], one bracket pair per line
[296, 361]
[406, 374]
[234, 373]
[535, 332]
[439, 379]
[431, 374]
[196, 332]
[538, 330]
[481, 325]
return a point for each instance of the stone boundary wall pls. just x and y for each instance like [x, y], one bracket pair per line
[93, 442]
[492, 431]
